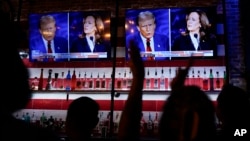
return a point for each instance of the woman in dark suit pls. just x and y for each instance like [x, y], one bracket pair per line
[197, 36]
[91, 40]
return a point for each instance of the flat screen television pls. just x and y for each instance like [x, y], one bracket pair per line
[68, 38]
[172, 36]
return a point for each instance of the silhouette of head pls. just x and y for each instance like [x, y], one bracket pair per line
[16, 74]
[82, 117]
[188, 115]
[233, 106]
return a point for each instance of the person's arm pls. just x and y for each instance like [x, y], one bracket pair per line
[179, 79]
[129, 126]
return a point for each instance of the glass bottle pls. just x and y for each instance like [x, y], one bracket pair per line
[148, 80]
[84, 81]
[97, 82]
[40, 83]
[150, 126]
[156, 123]
[68, 81]
[55, 83]
[91, 81]
[205, 81]
[169, 78]
[103, 82]
[129, 80]
[217, 80]
[124, 80]
[78, 82]
[73, 81]
[211, 80]
[162, 80]
[225, 78]
[156, 81]
[49, 80]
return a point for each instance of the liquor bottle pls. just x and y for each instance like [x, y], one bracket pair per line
[84, 81]
[211, 80]
[62, 81]
[97, 82]
[150, 126]
[169, 78]
[143, 126]
[116, 123]
[217, 82]
[162, 80]
[91, 83]
[148, 84]
[49, 80]
[156, 81]
[79, 82]
[40, 83]
[205, 81]
[224, 78]
[192, 81]
[55, 83]
[73, 81]
[129, 80]
[119, 81]
[156, 123]
[68, 81]
[199, 78]
[110, 81]
[103, 81]
[124, 80]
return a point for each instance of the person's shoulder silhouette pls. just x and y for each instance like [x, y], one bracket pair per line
[233, 112]
[81, 119]
[17, 75]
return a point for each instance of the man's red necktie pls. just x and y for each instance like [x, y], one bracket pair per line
[149, 49]
[49, 47]
[50, 51]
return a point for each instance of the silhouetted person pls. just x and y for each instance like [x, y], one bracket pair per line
[82, 118]
[16, 78]
[233, 111]
[129, 126]
[188, 114]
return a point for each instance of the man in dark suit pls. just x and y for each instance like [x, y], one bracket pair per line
[47, 45]
[150, 43]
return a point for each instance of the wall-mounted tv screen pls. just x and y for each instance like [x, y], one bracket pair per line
[172, 33]
[69, 36]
